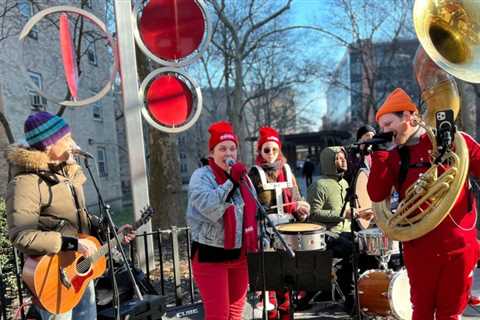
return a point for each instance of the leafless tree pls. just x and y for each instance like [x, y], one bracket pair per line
[372, 32]
[253, 59]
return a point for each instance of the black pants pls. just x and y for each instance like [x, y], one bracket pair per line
[342, 247]
[308, 180]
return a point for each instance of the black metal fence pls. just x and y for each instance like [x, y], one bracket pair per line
[170, 274]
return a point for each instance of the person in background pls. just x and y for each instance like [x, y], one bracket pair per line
[45, 202]
[283, 204]
[440, 263]
[358, 157]
[222, 215]
[307, 171]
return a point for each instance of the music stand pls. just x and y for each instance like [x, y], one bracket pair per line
[309, 270]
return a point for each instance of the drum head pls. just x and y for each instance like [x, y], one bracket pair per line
[399, 295]
[304, 228]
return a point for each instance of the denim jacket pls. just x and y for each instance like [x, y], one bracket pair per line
[206, 206]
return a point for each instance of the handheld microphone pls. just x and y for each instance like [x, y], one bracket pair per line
[230, 162]
[81, 153]
[379, 138]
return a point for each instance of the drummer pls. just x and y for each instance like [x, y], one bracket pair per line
[327, 198]
[278, 191]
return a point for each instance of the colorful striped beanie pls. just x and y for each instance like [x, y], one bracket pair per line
[43, 129]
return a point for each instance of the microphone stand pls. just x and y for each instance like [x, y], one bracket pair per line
[265, 221]
[110, 229]
[352, 198]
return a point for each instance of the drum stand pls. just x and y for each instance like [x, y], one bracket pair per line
[383, 261]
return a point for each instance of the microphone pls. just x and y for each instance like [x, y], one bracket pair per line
[379, 138]
[230, 162]
[81, 153]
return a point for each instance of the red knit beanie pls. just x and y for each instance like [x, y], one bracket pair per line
[268, 134]
[219, 132]
[397, 101]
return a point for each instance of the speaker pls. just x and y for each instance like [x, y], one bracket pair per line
[150, 308]
[188, 312]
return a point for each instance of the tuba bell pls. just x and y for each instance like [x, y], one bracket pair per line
[449, 34]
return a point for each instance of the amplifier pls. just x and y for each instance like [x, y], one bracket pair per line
[188, 312]
[152, 307]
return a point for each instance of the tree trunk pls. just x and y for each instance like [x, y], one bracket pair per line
[165, 185]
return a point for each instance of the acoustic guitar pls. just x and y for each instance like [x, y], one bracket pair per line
[58, 281]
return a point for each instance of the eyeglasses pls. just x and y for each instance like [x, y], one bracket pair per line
[267, 150]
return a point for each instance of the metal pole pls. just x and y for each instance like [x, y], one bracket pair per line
[176, 267]
[133, 121]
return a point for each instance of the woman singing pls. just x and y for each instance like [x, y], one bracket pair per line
[222, 214]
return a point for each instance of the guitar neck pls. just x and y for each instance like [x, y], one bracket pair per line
[103, 250]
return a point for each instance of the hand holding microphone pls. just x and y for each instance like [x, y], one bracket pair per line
[237, 170]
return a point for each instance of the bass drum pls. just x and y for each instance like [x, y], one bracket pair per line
[385, 294]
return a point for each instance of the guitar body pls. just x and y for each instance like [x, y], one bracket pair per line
[55, 280]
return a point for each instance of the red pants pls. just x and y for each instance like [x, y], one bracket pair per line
[440, 284]
[223, 287]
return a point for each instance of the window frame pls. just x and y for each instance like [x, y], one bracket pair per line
[102, 173]
[91, 49]
[98, 107]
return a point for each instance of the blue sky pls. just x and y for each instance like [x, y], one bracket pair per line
[315, 12]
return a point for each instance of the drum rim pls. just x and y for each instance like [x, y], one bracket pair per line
[395, 275]
[322, 229]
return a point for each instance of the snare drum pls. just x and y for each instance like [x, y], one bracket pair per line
[385, 293]
[301, 236]
[374, 243]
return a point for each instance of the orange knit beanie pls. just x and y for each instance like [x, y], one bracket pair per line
[397, 101]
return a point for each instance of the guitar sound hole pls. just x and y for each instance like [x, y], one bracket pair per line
[83, 265]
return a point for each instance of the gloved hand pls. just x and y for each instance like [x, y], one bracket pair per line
[237, 172]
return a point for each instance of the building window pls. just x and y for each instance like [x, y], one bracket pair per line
[37, 102]
[183, 168]
[102, 162]
[97, 112]
[183, 155]
[91, 50]
[181, 140]
[26, 10]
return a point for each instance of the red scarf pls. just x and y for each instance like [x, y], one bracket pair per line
[280, 177]
[249, 234]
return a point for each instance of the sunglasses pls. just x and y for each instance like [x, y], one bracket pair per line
[267, 150]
